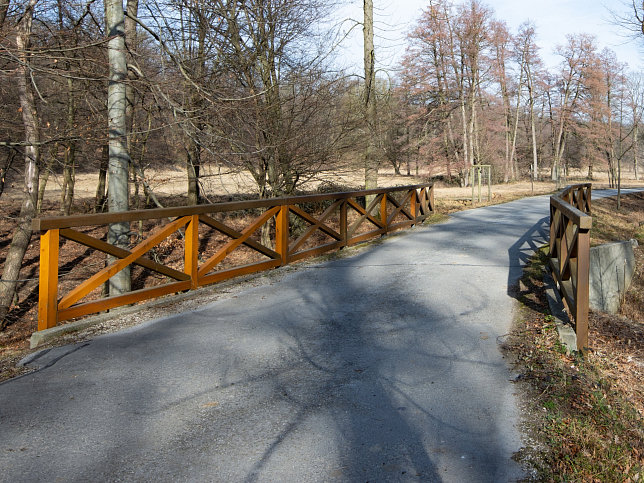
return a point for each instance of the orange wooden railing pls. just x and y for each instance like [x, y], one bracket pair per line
[569, 255]
[298, 227]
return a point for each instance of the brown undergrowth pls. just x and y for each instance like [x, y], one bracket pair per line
[586, 413]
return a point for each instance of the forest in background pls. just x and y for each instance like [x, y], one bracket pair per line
[219, 87]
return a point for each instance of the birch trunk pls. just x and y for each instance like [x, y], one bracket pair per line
[119, 159]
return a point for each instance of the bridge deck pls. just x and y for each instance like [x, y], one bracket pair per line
[383, 366]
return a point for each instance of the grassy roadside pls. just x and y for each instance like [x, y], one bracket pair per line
[586, 414]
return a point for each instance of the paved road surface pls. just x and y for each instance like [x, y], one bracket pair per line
[384, 366]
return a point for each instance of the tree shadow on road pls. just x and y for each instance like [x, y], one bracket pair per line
[340, 372]
[520, 255]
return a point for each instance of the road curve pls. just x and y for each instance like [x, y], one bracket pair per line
[383, 366]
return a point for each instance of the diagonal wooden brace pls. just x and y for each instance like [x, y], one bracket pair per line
[102, 276]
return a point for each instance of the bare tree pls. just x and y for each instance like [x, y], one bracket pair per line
[631, 18]
[452, 40]
[565, 94]
[531, 63]
[22, 234]
[501, 43]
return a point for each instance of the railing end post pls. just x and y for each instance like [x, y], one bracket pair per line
[48, 279]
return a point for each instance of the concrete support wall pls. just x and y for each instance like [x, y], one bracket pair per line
[611, 270]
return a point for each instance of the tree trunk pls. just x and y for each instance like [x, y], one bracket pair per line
[69, 158]
[535, 164]
[371, 163]
[99, 202]
[467, 161]
[195, 125]
[132, 9]
[470, 131]
[4, 8]
[44, 176]
[407, 149]
[193, 164]
[119, 159]
[22, 234]
[515, 128]
[559, 139]
[535, 157]
[131, 42]
[558, 152]
[507, 175]
[619, 183]
[635, 148]
[5, 169]
[452, 140]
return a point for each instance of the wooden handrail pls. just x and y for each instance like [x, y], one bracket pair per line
[94, 219]
[337, 229]
[569, 253]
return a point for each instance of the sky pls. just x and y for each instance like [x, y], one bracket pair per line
[554, 19]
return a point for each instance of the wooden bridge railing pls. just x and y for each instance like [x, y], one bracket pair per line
[570, 225]
[212, 239]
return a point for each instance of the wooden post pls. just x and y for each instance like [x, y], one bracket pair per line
[48, 285]
[553, 233]
[414, 205]
[431, 199]
[344, 223]
[191, 251]
[383, 211]
[281, 233]
[583, 286]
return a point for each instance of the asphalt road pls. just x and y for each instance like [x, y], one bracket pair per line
[384, 366]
